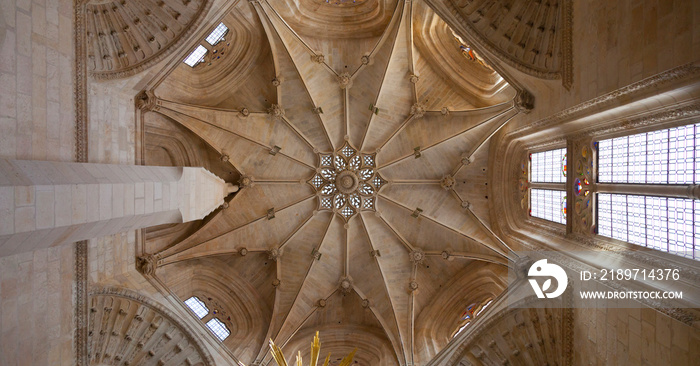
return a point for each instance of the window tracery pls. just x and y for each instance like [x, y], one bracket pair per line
[641, 184]
[547, 191]
[346, 182]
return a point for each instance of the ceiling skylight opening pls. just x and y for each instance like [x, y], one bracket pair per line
[218, 328]
[196, 56]
[217, 34]
[197, 306]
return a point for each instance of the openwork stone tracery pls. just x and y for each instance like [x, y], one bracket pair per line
[346, 182]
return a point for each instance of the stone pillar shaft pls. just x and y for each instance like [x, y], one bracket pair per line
[44, 204]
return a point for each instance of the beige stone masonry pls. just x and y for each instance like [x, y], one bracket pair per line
[44, 204]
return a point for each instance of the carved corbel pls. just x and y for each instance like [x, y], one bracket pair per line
[147, 101]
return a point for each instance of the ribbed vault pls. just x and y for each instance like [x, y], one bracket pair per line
[389, 80]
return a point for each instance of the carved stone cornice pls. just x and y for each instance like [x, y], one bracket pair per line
[617, 96]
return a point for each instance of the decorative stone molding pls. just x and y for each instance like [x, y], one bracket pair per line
[621, 95]
[413, 78]
[244, 112]
[276, 82]
[243, 251]
[445, 111]
[365, 60]
[126, 327]
[365, 303]
[145, 34]
[322, 303]
[80, 88]
[276, 283]
[81, 304]
[413, 286]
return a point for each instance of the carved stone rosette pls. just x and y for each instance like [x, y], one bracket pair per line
[346, 182]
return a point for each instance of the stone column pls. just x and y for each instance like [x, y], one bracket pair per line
[44, 204]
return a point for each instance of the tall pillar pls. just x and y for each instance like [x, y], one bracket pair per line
[44, 204]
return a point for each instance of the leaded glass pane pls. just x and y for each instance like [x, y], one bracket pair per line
[667, 156]
[217, 34]
[196, 56]
[547, 204]
[197, 306]
[218, 328]
[546, 166]
[662, 223]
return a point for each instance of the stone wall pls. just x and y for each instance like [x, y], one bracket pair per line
[37, 122]
[632, 337]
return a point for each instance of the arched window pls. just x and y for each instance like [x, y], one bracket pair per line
[645, 189]
[547, 185]
[197, 306]
[470, 313]
[218, 328]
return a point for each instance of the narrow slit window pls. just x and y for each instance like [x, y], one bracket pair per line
[663, 223]
[548, 204]
[196, 56]
[197, 306]
[667, 156]
[217, 34]
[218, 328]
[548, 166]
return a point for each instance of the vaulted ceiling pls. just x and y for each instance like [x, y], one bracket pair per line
[377, 94]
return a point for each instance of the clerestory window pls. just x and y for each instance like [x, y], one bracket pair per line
[470, 313]
[645, 185]
[211, 50]
[197, 306]
[218, 328]
[215, 325]
[547, 185]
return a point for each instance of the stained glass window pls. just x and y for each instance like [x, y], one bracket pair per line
[548, 204]
[548, 166]
[197, 306]
[663, 223]
[471, 312]
[196, 56]
[667, 156]
[218, 328]
[217, 34]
